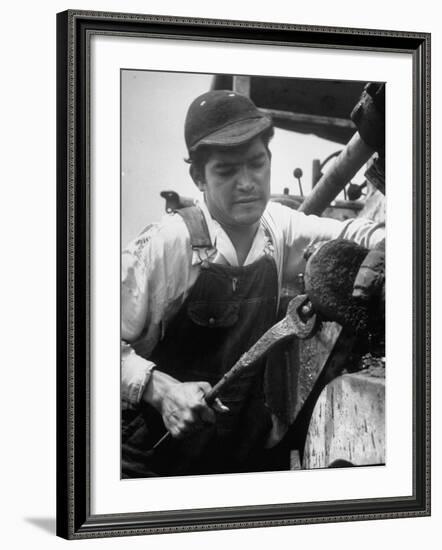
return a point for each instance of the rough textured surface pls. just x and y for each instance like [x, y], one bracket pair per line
[313, 355]
[329, 277]
[348, 422]
[294, 369]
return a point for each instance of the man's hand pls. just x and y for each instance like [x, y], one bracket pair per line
[185, 411]
[181, 405]
[370, 280]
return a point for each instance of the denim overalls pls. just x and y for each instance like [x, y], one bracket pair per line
[226, 311]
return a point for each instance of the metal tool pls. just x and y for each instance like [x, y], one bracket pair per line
[299, 322]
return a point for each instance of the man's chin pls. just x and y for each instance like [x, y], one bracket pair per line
[250, 212]
[249, 218]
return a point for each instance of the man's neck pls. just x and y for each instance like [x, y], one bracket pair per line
[242, 239]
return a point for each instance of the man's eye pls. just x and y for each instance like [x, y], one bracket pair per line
[257, 164]
[225, 171]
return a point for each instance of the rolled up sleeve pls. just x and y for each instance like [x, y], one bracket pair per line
[295, 231]
[156, 276]
[135, 375]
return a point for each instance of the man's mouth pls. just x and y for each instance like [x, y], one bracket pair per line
[246, 200]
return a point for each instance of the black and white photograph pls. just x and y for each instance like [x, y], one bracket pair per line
[221, 271]
[243, 316]
[253, 278]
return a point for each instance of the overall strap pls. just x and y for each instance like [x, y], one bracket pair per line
[196, 224]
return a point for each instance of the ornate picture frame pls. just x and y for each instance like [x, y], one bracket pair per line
[76, 220]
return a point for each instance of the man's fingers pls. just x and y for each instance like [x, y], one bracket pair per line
[174, 431]
[370, 278]
[204, 412]
[186, 411]
[205, 387]
[190, 421]
[184, 429]
[204, 409]
[219, 406]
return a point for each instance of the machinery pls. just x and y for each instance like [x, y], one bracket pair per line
[328, 382]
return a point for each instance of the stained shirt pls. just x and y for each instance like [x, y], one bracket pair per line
[159, 268]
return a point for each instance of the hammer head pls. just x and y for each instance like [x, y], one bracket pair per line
[329, 277]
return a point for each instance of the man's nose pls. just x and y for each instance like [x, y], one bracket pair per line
[245, 179]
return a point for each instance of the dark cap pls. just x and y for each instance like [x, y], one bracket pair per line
[222, 118]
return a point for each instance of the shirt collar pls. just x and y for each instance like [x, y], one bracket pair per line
[223, 244]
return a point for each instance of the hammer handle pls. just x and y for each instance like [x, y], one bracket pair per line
[275, 335]
[227, 379]
[256, 352]
[286, 328]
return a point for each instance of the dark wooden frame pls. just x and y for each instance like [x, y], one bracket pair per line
[74, 520]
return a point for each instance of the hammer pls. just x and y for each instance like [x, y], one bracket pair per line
[299, 321]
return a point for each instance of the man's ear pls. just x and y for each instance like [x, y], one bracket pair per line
[197, 177]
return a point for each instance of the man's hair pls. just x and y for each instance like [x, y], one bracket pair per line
[200, 156]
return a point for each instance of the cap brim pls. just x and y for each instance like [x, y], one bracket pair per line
[235, 134]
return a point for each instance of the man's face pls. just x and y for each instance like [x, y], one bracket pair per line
[236, 183]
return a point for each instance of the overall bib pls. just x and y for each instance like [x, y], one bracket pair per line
[226, 311]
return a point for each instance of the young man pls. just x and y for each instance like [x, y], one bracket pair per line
[200, 288]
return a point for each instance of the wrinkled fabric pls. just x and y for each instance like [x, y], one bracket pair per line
[227, 310]
[159, 268]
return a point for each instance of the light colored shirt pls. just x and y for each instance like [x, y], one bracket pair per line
[159, 268]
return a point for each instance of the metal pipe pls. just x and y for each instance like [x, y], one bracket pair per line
[355, 154]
